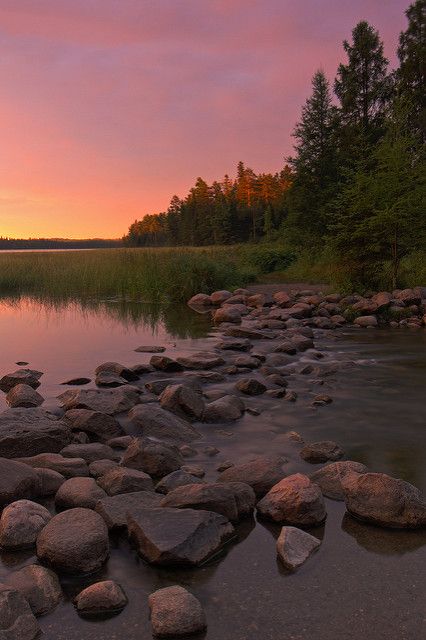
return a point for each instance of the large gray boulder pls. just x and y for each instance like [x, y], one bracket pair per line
[17, 621]
[20, 524]
[329, 478]
[234, 500]
[123, 480]
[101, 425]
[155, 422]
[17, 481]
[22, 395]
[294, 546]
[155, 458]
[110, 401]
[114, 509]
[294, 500]
[101, 599]
[74, 541]
[175, 612]
[27, 432]
[384, 501]
[39, 585]
[29, 377]
[177, 536]
[79, 492]
[67, 467]
[261, 473]
[226, 409]
[183, 401]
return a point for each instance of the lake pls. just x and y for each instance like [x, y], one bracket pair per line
[364, 582]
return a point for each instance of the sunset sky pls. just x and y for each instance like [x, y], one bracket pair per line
[109, 107]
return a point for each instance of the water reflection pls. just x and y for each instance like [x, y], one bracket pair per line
[392, 542]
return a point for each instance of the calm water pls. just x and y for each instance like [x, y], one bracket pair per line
[365, 582]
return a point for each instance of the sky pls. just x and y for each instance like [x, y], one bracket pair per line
[109, 107]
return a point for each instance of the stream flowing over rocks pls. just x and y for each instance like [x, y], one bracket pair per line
[171, 462]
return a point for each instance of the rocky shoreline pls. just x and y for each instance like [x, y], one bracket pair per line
[118, 458]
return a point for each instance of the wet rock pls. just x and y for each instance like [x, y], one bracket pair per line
[201, 360]
[219, 297]
[100, 467]
[250, 386]
[175, 612]
[17, 622]
[17, 481]
[187, 451]
[79, 492]
[122, 442]
[384, 501]
[261, 473]
[228, 313]
[194, 470]
[365, 307]
[110, 401]
[74, 541]
[67, 467]
[107, 379]
[200, 299]
[329, 478]
[321, 400]
[116, 369]
[142, 368]
[211, 451]
[321, 451]
[20, 524]
[22, 395]
[246, 361]
[382, 300]
[28, 377]
[177, 536]
[27, 432]
[164, 363]
[183, 401]
[277, 379]
[302, 343]
[222, 466]
[286, 347]
[48, 482]
[155, 458]
[294, 500]
[76, 381]
[39, 586]
[157, 386]
[155, 422]
[408, 296]
[123, 480]
[113, 509]
[257, 300]
[237, 344]
[276, 393]
[366, 321]
[89, 452]
[150, 348]
[294, 546]
[246, 332]
[282, 299]
[102, 598]
[290, 396]
[233, 500]
[175, 479]
[226, 409]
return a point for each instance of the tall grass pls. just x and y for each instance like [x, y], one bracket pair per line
[150, 275]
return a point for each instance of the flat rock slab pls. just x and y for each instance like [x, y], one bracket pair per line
[150, 348]
[114, 509]
[178, 536]
[110, 401]
[27, 432]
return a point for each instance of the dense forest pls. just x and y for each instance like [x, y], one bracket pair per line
[354, 189]
[56, 243]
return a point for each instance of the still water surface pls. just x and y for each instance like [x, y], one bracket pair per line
[364, 582]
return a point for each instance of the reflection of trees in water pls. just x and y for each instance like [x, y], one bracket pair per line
[177, 319]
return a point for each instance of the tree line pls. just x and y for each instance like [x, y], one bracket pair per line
[354, 187]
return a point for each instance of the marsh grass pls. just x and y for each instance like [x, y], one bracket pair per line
[148, 275]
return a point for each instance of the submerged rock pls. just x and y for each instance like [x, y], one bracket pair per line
[175, 612]
[321, 451]
[39, 585]
[294, 546]
[294, 500]
[250, 386]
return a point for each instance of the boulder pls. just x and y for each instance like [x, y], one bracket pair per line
[166, 536]
[282, 299]
[150, 348]
[236, 344]
[183, 401]
[122, 442]
[48, 482]
[294, 546]
[382, 300]
[102, 598]
[157, 386]
[219, 297]
[17, 621]
[366, 321]
[365, 307]
[294, 500]
[67, 467]
[29, 377]
[27, 432]
[250, 386]
[155, 458]
[74, 541]
[246, 332]
[39, 585]
[20, 524]
[228, 313]
[22, 395]
[286, 347]
[110, 401]
[201, 360]
[329, 478]
[261, 473]
[107, 379]
[246, 361]
[79, 492]
[122, 480]
[175, 479]
[321, 451]
[408, 296]
[200, 300]
[164, 363]
[94, 423]
[226, 409]
[89, 452]
[175, 612]
[117, 369]
[98, 468]
[113, 509]
[384, 501]
[155, 422]
[17, 481]
[302, 343]
[218, 497]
